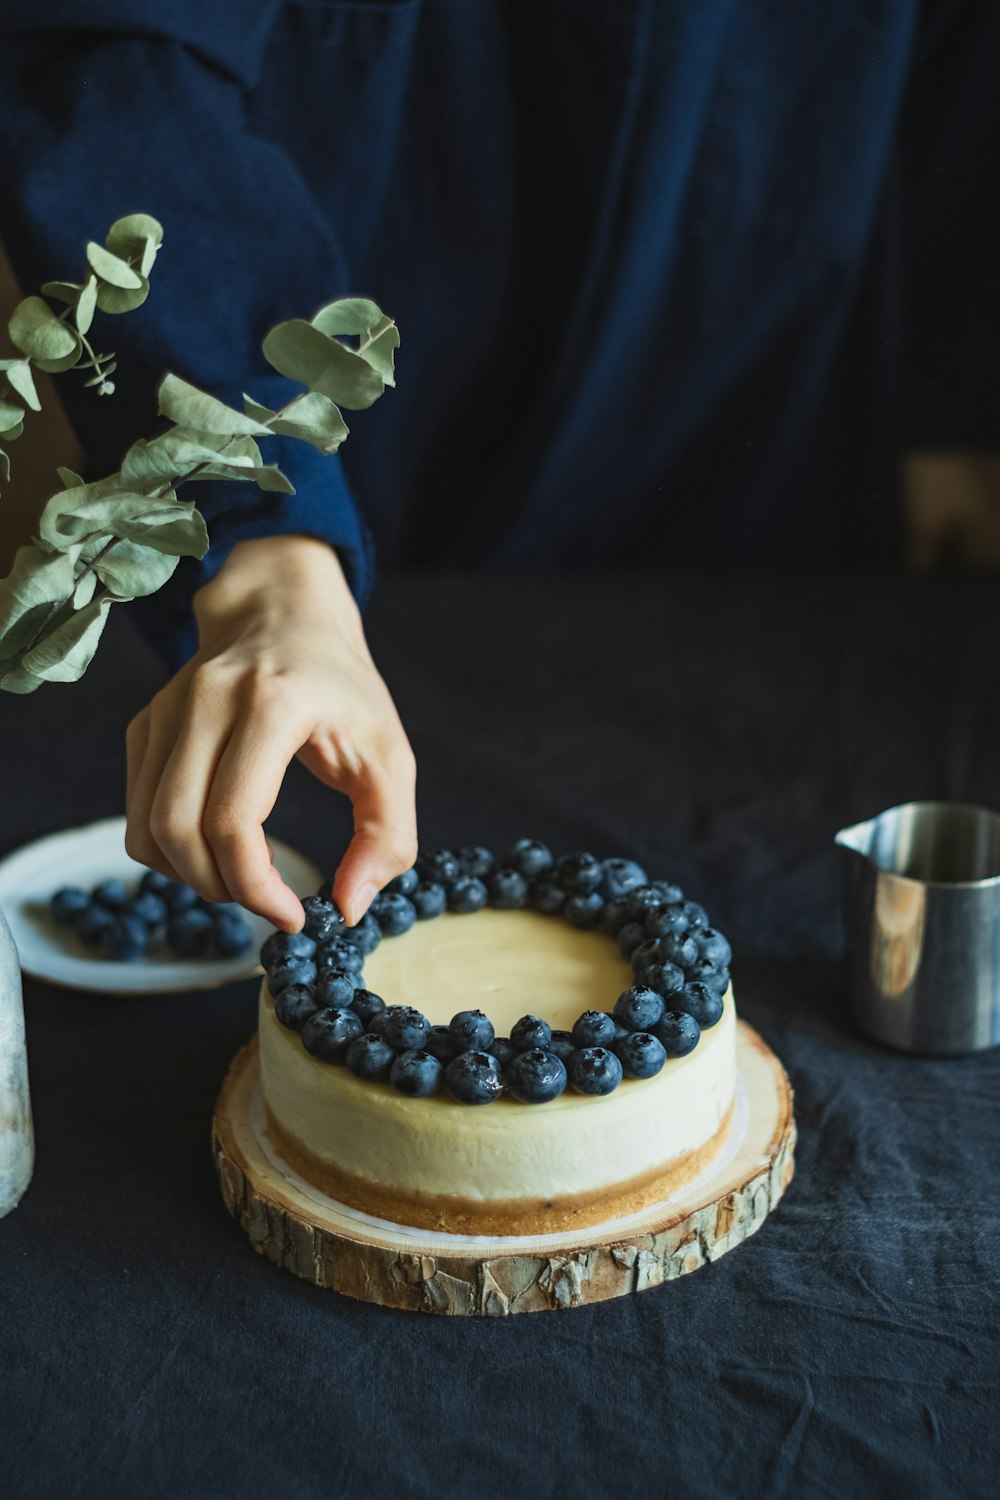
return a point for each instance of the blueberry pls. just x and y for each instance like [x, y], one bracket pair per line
[295, 1004]
[286, 945]
[641, 1054]
[472, 1031]
[395, 914]
[232, 934]
[705, 973]
[584, 911]
[475, 860]
[547, 896]
[648, 952]
[641, 900]
[334, 988]
[535, 1076]
[429, 900]
[91, 922]
[439, 866]
[153, 881]
[149, 908]
[365, 935]
[124, 938]
[190, 933]
[595, 1028]
[594, 1070]
[700, 1001]
[369, 1057]
[665, 979]
[530, 1031]
[697, 916]
[180, 897]
[467, 894]
[669, 894]
[630, 936]
[417, 1073]
[474, 1078]
[111, 894]
[324, 919]
[613, 916]
[621, 1032]
[328, 1032]
[290, 971]
[340, 954]
[403, 885]
[529, 858]
[403, 1027]
[638, 1008]
[678, 1032]
[677, 948]
[68, 902]
[619, 876]
[507, 889]
[713, 946]
[503, 1049]
[579, 874]
[562, 1044]
[441, 1044]
[367, 1005]
[660, 920]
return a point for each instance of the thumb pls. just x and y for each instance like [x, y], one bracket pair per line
[385, 836]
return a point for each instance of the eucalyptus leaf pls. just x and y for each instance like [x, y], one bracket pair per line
[132, 570]
[102, 374]
[4, 466]
[11, 415]
[111, 268]
[118, 299]
[38, 333]
[86, 306]
[18, 372]
[136, 236]
[379, 347]
[66, 291]
[347, 315]
[16, 679]
[175, 453]
[70, 479]
[259, 413]
[37, 580]
[65, 518]
[302, 352]
[189, 407]
[181, 534]
[313, 418]
[83, 589]
[12, 432]
[65, 653]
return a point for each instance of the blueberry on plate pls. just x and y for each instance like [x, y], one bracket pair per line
[367, 1005]
[639, 1008]
[472, 1031]
[111, 894]
[507, 889]
[705, 973]
[441, 1044]
[661, 920]
[416, 1073]
[595, 1028]
[403, 885]
[286, 945]
[232, 933]
[429, 900]
[678, 1031]
[535, 1076]
[91, 922]
[503, 1049]
[467, 894]
[295, 1004]
[594, 1070]
[364, 936]
[530, 1031]
[584, 911]
[328, 1032]
[475, 860]
[641, 1054]
[149, 908]
[438, 865]
[394, 914]
[153, 881]
[529, 857]
[190, 933]
[474, 1078]
[619, 876]
[369, 1057]
[124, 938]
[179, 897]
[290, 971]
[562, 1044]
[403, 1027]
[700, 1001]
[335, 988]
[68, 902]
[546, 895]
[324, 919]
[713, 946]
[631, 935]
[579, 874]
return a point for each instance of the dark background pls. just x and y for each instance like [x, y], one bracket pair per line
[720, 728]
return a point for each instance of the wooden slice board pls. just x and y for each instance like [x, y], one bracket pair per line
[300, 1228]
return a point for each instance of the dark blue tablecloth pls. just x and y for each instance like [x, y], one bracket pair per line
[720, 729]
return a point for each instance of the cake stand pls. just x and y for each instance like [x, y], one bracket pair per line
[334, 1246]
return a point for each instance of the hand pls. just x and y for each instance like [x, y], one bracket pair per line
[282, 669]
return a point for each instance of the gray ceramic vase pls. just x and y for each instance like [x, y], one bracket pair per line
[17, 1137]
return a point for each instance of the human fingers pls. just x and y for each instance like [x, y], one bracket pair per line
[385, 831]
[140, 844]
[191, 738]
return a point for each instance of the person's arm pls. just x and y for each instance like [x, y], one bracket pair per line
[282, 669]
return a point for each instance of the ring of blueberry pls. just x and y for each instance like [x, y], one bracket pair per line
[680, 964]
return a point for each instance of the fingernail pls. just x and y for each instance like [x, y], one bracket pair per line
[366, 896]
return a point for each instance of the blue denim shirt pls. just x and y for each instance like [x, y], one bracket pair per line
[675, 282]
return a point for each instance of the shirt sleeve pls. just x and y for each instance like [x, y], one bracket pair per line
[118, 108]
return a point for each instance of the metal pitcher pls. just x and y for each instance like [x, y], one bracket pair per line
[922, 916]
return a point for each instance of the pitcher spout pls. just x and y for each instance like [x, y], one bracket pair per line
[856, 839]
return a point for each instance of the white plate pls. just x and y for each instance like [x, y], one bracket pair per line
[83, 856]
